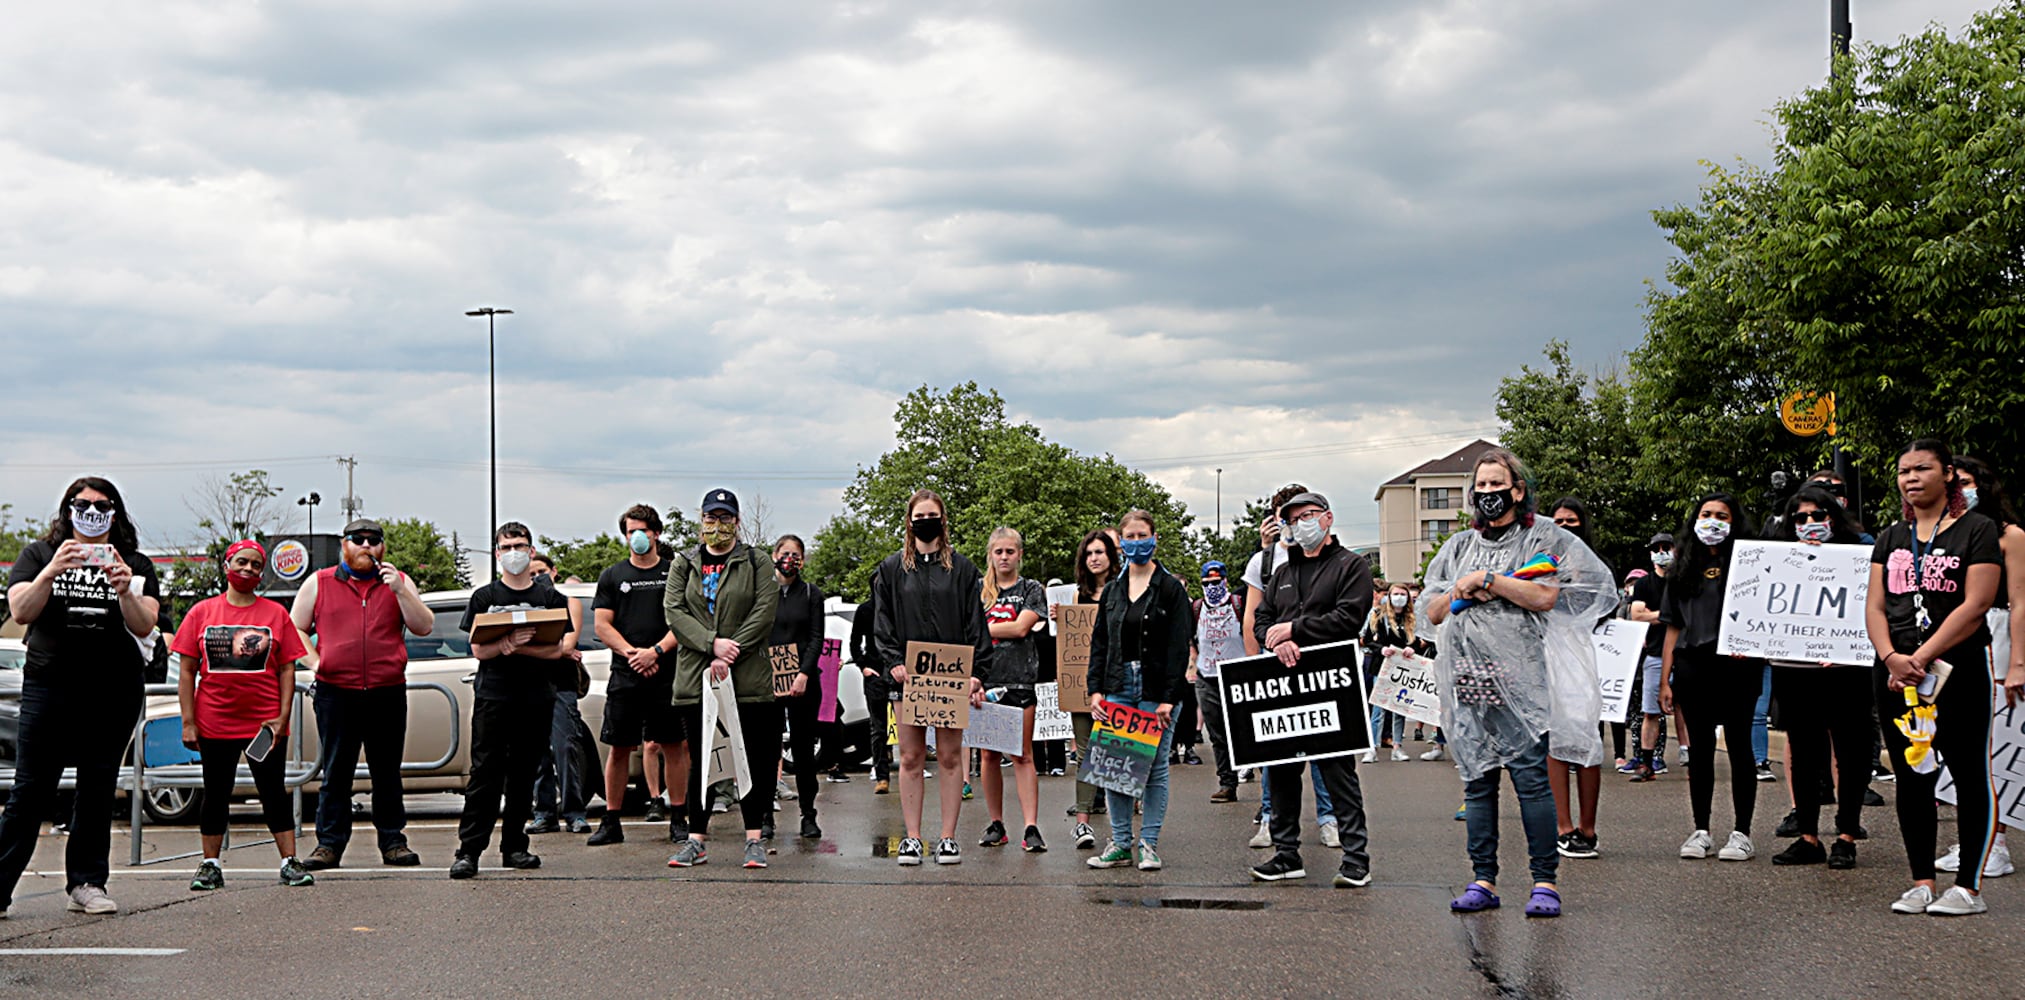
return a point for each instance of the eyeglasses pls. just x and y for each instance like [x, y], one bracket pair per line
[1308, 516]
[1805, 516]
[362, 538]
[102, 506]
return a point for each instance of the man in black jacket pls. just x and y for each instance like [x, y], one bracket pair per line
[866, 657]
[1320, 594]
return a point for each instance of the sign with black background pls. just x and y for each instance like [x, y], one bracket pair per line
[1275, 714]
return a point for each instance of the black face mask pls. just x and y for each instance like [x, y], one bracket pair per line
[787, 567]
[927, 529]
[1494, 504]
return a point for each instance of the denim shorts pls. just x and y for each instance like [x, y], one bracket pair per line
[1654, 666]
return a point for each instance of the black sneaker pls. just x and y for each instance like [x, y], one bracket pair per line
[909, 854]
[1871, 798]
[1576, 845]
[1841, 855]
[1860, 834]
[810, 831]
[1279, 867]
[657, 810]
[521, 860]
[543, 824]
[1351, 876]
[1765, 771]
[946, 852]
[609, 832]
[1565, 844]
[678, 828]
[209, 876]
[994, 835]
[465, 866]
[1800, 852]
[1790, 826]
[1032, 842]
[766, 832]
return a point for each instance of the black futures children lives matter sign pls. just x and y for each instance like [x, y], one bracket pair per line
[1276, 714]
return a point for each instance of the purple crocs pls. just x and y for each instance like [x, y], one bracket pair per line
[1474, 899]
[1544, 902]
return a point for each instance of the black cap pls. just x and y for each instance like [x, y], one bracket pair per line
[720, 502]
[364, 524]
[1302, 500]
[1660, 539]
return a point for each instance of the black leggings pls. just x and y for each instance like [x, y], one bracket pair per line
[1820, 707]
[1711, 690]
[803, 730]
[759, 723]
[221, 776]
[1962, 735]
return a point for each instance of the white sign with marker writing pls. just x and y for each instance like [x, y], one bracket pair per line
[1798, 602]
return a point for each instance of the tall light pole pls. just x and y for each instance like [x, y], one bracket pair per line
[310, 502]
[1840, 30]
[492, 414]
[1219, 503]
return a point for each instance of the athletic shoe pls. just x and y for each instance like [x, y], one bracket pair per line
[1957, 902]
[755, 854]
[692, 853]
[810, 831]
[1800, 852]
[609, 832]
[1114, 856]
[1914, 900]
[1032, 842]
[1056, 772]
[836, 777]
[1951, 861]
[783, 790]
[1086, 838]
[1279, 868]
[1871, 799]
[946, 852]
[1765, 771]
[293, 873]
[766, 831]
[543, 824]
[909, 854]
[1370, 757]
[1329, 835]
[994, 835]
[1842, 855]
[1462, 812]
[678, 826]
[1191, 757]
[1683, 756]
[1351, 876]
[1224, 793]
[657, 810]
[1697, 846]
[322, 858]
[578, 825]
[521, 860]
[967, 794]
[399, 855]
[1643, 771]
[1575, 845]
[1264, 837]
[463, 866]
[1398, 754]
[1439, 752]
[881, 787]
[1790, 826]
[1738, 849]
[209, 876]
[1998, 864]
[1628, 767]
[1883, 774]
[1148, 860]
[1659, 763]
[92, 899]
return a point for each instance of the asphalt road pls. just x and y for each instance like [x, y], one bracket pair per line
[836, 918]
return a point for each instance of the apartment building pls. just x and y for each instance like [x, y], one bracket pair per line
[1419, 506]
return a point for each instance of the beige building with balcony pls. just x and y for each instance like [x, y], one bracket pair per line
[1418, 507]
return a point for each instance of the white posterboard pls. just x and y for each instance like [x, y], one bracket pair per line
[1406, 686]
[2007, 759]
[1792, 601]
[1061, 593]
[996, 727]
[1620, 648]
[720, 719]
[1050, 722]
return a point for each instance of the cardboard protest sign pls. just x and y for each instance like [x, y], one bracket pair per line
[827, 666]
[1406, 686]
[938, 686]
[1275, 714]
[1791, 601]
[997, 727]
[1072, 655]
[1123, 744]
[1620, 648]
[787, 662]
[1059, 594]
[1050, 722]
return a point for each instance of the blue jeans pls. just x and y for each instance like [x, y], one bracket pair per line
[1761, 721]
[1154, 811]
[374, 720]
[1325, 807]
[1536, 813]
[554, 782]
[1383, 721]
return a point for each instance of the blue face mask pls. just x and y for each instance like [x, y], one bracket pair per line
[1137, 551]
[640, 542]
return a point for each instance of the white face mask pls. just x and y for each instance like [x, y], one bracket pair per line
[1712, 531]
[91, 522]
[1399, 600]
[1309, 533]
[1662, 560]
[515, 562]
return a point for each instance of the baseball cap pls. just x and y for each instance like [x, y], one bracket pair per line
[1662, 538]
[1303, 499]
[720, 502]
[1214, 565]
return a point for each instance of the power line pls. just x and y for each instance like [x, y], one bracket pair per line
[1304, 451]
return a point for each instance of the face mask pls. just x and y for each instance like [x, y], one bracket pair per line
[640, 542]
[1137, 551]
[1814, 531]
[91, 522]
[1494, 504]
[1309, 534]
[1712, 531]
[515, 562]
[1969, 496]
[788, 566]
[242, 580]
[1215, 593]
[719, 536]
[1398, 600]
[927, 529]
[1662, 559]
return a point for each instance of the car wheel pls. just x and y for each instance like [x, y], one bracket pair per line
[172, 805]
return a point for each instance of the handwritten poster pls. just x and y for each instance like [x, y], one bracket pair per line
[1792, 601]
[787, 662]
[1072, 655]
[1123, 744]
[1620, 645]
[1406, 686]
[1050, 722]
[997, 727]
[938, 686]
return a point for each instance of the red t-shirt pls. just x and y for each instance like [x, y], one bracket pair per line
[238, 651]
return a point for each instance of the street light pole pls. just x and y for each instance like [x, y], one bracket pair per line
[310, 502]
[1840, 30]
[1219, 503]
[492, 413]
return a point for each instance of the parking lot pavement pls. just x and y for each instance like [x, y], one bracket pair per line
[838, 917]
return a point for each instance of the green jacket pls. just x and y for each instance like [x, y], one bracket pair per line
[747, 598]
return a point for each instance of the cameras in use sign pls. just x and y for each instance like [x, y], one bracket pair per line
[1276, 714]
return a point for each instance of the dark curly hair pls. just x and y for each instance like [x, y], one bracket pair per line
[124, 537]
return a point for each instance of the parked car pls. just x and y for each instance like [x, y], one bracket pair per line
[13, 656]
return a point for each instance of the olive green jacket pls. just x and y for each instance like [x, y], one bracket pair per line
[747, 597]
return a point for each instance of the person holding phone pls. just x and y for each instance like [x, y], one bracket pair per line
[88, 596]
[236, 687]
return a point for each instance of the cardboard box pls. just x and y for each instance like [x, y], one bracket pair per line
[549, 624]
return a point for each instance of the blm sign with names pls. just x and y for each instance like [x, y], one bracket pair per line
[1275, 714]
[1792, 601]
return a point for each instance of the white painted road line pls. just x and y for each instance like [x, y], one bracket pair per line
[118, 952]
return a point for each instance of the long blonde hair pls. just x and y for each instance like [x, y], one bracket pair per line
[907, 553]
[991, 572]
[1393, 615]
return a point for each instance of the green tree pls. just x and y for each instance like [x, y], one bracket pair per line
[14, 537]
[240, 505]
[585, 559]
[419, 550]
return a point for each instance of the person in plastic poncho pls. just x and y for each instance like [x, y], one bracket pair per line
[1516, 597]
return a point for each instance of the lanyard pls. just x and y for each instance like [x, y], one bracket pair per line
[1921, 617]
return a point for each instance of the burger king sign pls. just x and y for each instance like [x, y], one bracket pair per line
[291, 561]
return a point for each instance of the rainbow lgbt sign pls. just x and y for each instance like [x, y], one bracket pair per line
[1123, 744]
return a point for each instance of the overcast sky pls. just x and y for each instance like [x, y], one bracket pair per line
[244, 234]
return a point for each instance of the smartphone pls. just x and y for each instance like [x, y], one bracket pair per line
[1928, 685]
[262, 745]
[100, 555]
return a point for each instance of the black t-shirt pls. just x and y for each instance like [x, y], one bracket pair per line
[80, 634]
[1941, 581]
[1699, 616]
[798, 622]
[1016, 661]
[515, 676]
[633, 596]
[1650, 590]
[1132, 636]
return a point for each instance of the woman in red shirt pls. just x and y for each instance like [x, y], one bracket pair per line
[237, 678]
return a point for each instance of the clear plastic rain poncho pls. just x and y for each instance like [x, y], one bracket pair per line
[1508, 674]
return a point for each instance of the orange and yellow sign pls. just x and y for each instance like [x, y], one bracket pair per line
[1808, 413]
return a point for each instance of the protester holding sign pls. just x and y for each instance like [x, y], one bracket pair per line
[1933, 575]
[237, 681]
[1097, 567]
[1390, 628]
[1822, 705]
[798, 626]
[1139, 659]
[1013, 606]
[928, 592]
[1321, 594]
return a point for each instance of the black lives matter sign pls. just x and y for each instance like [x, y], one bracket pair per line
[1276, 714]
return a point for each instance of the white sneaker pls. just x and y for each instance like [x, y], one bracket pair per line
[783, 790]
[1951, 861]
[91, 899]
[1914, 900]
[1998, 864]
[1437, 753]
[1398, 754]
[1330, 837]
[1263, 838]
[1738, 849]
[1370, 757]
[1957, 902]
[1698, 845]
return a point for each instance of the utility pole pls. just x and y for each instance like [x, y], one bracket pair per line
[492, 409]
[1219, 503]
[351, 503]
[1840, 30]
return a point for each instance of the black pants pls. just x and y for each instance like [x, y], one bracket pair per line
[759, 722]
[347, 721]
[508, 737]
[875, 727]
[1962, 735]
[803, 730]
[69, 725]
[1050, 755]
[1711, 690]
[1824, 707]
[1346, 796]
[1186, 732]
[221, 776]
